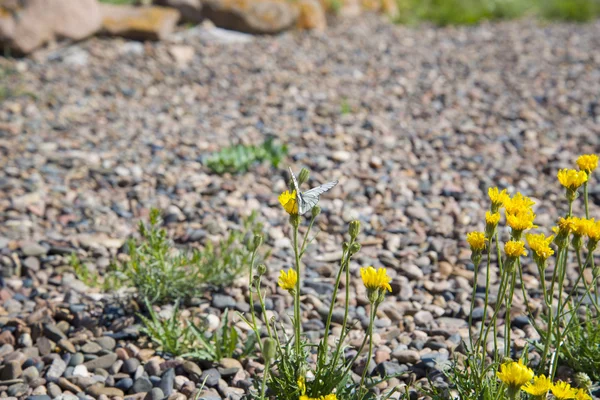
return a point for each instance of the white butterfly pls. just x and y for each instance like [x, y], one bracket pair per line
[310, 198]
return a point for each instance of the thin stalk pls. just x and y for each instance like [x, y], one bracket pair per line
[475, 273]
[264, 381]
[263, 308]
[297, 293]
[364, 374]
[345, 255]
[346, 308]
[585, 199]
[304, 240]
[251, 294]
[507, 327]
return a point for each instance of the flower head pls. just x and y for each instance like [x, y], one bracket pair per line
[514, 374]
[587, 162]
[539, 386]
[289, 202]
[515, 248]
[540, 244]
[522, 220]
[562, 390]
[566, 224]
[497, 197]
[593, 230]
[518, 203]
[582, 394]
[375, 279]
[492, 218]
[288, 281]
[302, 385]
[579, 226]
[476, 240]
[571, 178]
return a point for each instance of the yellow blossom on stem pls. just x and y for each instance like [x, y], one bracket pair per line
[492, 218]
[375, 279]
[518, 203]
[327, 397]
[302, 385]
[289, 202]
[522, 220]
[579, 226]
[514, 374]
[593, 230]
[497, 197]
[571, 178]
[562, 391]
[515, 248]
[539, 387]
[582, 394]
[288, 281]
[540, 244]
[587, 162]
[566, 224]
[476, 240]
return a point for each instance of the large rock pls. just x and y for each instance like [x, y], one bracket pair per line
[139, 23]
[252, 16]
[311, 15]
[28, 24]
[190, 10]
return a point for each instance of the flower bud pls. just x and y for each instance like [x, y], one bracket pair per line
[345, 246]
[261, 269]
[316, 210]
[258, 240]
[583, 380]
[269, 349]
[355, 248]
[354, 229]
[294, 220]
[303, 176]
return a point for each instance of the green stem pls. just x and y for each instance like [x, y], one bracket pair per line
[251, 294]
[264, 381]
[263, 308]
[297, 293]
[364, 374]
[304, 240]
[509, 300]
[346, 308]
[585, 200]
[475, 273]
[333, 297]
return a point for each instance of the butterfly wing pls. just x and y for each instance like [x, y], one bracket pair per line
[296, 186]
[310, 198]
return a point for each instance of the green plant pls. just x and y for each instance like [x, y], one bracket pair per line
[292, 374]
[581, 350]
[171, 335]
[189, 340]
[570, 10]
[240, 158]
[161, 273]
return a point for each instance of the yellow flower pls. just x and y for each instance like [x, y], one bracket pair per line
[497, 197]
[587, 162]
[571, 178]
[539, 386]
[518, 203]
[582, 394]
[514, 374]
[562, 390]
[330, 397]
[515, 248]
[302, 385]
[492, 219]
[375, 278]
[566, 224]
[304, 397]
[521, 220]
[476, 240]
[540, 244]
[288, 281]
[593, 230]
[289, 202]
[579, 226]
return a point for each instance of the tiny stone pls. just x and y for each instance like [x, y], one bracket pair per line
[142, 385]
[130, 365]
[155, 394]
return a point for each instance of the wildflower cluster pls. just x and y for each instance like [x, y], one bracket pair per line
[517, 376]
[288, 362]
[559, 310]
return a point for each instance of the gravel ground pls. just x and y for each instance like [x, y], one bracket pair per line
[415, 123]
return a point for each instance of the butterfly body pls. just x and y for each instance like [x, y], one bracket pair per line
[307, 200]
